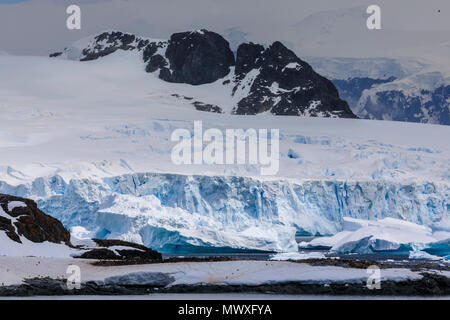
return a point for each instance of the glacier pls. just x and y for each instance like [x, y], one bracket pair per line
[194, 213]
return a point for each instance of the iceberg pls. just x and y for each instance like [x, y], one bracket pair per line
[422, 255]
[387, 235]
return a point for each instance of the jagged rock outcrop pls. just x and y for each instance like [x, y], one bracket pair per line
[248, 57]
[198, 57]
[21, 217]
[284, 84]
[109, 42]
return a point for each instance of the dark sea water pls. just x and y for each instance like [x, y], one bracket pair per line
[398, 259]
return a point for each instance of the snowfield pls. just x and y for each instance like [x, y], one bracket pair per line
[90, 142]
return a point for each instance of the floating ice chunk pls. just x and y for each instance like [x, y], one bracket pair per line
[325, 242]
[81, 236]
[364, 236]
[423, 255]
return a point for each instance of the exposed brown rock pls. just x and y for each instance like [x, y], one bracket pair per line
[31, 223]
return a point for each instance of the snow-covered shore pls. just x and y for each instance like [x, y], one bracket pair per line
[14, 269]
[226, 276]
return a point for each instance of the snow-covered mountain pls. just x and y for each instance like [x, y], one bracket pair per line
[273, 79]
[402, 89]
[423, 97]
[258, 80]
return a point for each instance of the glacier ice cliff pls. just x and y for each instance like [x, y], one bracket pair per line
[193, 213]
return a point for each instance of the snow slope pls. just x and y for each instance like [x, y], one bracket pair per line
[31, 249]
[90, 141]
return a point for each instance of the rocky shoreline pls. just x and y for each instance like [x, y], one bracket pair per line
[429, 285]
[121, 278]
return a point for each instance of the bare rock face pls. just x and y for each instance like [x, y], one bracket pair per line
[198, 57]
[283, 84]
[248, 57]
[21, 218]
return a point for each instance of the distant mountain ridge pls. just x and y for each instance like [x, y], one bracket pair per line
[261, 80]
[402, 89]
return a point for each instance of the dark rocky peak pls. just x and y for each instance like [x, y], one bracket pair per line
[109, 42]
[21, 218]
[106, 43]
[248, 57]
[271, 79]
[285, 85]
[197, 57]
[277, 56]
[282, 66]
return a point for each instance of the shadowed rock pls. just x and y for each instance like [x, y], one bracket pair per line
[198, 57]
[284, 85]
[26, 220]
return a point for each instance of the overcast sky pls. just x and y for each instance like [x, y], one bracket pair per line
[38, 27]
